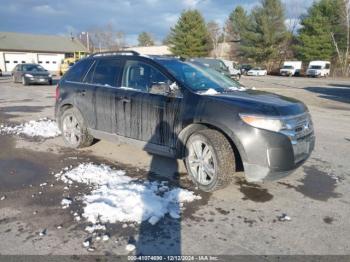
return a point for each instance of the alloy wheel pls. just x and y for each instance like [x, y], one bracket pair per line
[201, 162]
[71, 129]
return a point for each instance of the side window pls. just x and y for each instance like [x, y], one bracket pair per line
[144, 77]
[78, 71]
[106, 72]
[328, 66]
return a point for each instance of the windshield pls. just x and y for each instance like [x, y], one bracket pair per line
[33, 68]
[198, 77]
[315, 67]
[288, 67]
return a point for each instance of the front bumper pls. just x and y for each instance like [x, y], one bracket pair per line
[286, 73]
[281, 162]
[38, 80]
[271, 155]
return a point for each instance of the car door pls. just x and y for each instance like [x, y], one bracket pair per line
[82, 95]
[151, 114]
[105, 79]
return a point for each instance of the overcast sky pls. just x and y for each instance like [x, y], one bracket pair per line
[129, 16]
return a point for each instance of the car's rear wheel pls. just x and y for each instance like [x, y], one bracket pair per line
[210, 160]
[74, 129]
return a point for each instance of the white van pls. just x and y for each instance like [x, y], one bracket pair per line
[319, 69]
[234, 72]
[291, 68]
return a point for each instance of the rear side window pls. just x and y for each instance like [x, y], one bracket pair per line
[78, 71]
[106, 72]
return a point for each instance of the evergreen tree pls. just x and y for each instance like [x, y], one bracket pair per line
[145, 39]
[315, 37]
[238, 22]
[261, 33]
[189, 37]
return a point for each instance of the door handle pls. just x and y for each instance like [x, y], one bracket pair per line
[125, 100]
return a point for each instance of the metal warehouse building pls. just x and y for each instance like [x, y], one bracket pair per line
[47, 50]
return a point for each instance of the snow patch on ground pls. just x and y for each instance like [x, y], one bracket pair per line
[117, 197]
[66, 203]
[42, 128]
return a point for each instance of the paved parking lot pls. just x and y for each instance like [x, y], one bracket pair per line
[241, 219]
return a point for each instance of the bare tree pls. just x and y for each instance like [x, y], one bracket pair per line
[343, 54]
[106, 38]
[214, 33]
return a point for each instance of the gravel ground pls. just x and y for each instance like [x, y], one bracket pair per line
[240, 219]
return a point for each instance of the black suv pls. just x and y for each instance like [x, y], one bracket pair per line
[184, 110]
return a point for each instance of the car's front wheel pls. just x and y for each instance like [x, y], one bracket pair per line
[210, 160]
[74, 130]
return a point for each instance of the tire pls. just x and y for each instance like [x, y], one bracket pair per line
[74, 130]
[24, 81]
[221, 165]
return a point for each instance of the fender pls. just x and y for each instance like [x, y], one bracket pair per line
[192, 128]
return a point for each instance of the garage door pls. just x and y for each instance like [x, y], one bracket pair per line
[12, 59]
[50, 62]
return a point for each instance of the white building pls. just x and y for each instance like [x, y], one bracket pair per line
[47, 50]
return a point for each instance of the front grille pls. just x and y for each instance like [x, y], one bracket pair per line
[303, 127]
[303, 137]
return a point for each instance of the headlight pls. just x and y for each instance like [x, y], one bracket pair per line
[49, 75]
[268, 123]
[28, 75]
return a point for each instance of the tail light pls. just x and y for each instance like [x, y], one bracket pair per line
[57, 96]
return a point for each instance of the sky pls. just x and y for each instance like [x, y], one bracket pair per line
[130, 16]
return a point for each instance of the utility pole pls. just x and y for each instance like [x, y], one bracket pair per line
[88, 41]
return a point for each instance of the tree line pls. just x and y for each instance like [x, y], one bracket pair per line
[259, 36]
[262, 37]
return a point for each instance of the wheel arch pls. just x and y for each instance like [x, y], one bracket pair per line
[185, 134]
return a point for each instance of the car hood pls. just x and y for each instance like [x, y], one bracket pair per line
[260, 102]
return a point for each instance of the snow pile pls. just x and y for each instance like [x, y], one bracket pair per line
[66, 203]
[117, 197]
[42, 128]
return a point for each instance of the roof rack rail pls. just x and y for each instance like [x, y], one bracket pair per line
[110, 53]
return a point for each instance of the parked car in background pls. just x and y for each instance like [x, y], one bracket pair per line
[31, 74]
[319, 69]
[0, 72]
[184, 110]
[291, 68]
[234, 72]
[257, 71]
[245, 68]
[216, 64]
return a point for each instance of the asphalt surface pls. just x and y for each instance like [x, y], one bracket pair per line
[240, 219]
